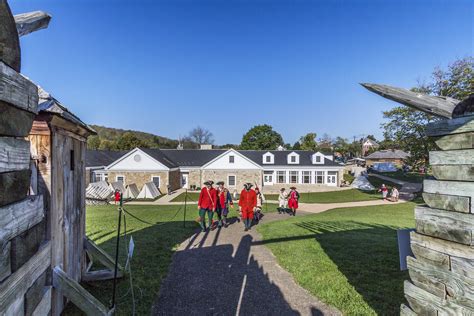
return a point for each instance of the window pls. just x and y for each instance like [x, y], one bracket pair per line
[306, 176]
[293, 159]
[319, 177]
[294, 176]
[268, 159]
[105, 177]
[231, 181]
[332, 176]
[318, 158]
[156, 181]
[281, 176]
[120, 179]
[268, 177]
[231, 159]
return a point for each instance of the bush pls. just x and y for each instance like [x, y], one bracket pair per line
[348, 178]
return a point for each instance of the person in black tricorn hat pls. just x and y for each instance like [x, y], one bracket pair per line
[207, 204]
[247, 204]
[224, 200]
[293, 198]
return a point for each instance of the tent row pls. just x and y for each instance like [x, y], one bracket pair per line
[99, 193]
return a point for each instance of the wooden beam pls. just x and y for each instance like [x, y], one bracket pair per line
[98, 254]
[425, 280]
[453, 226]
[79, 296]
[459, 125]
[14, 186]
[456, 188]
[16, 90]
[455, 141]
[14, 154]
[44, 306]
[453, 172]
[434, 257]
[98, 275]
[13, 121]
[447, 202]
[437, 106]
[452, 157]
[406, 311]
[18, 283]
[450, 248]
[18, 217]
[30, 22]
[5, 262]
[463, 267]
[10, 43]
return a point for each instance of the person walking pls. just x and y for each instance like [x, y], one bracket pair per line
[224, 200]
[384, 190]
[207, 204]
[293, 200]
[282, 201]
[247, 204]
[394, 195]
[259, 207]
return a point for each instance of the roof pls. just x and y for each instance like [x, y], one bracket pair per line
[100, 158]
[373, 142]
[160, 156]
[47, 103]
[388, 154]
[281, 157]
[192, 157]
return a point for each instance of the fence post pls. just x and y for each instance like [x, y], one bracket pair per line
[185, 203]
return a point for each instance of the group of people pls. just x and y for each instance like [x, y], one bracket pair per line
[288, 201]
[394, 194]
[219, 200]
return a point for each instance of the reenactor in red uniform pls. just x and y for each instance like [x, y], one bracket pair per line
[247, 204]
[207, 204]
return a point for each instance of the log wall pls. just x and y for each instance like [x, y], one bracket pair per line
[442, 271]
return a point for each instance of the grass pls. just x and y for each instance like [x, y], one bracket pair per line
[347, 257]
[192, 197]
[154, 247]
[340, 196]
[414, 177]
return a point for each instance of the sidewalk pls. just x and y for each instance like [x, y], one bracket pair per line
[407, 189]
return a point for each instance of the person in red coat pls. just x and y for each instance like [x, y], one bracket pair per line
[247, 204]
[207, 204]
[293, 198]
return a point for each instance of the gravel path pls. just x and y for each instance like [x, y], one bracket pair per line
[230, 272]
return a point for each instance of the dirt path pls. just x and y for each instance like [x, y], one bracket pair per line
[230, 272]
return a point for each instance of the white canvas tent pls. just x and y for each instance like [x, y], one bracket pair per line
[131, 191]
[117, 185]
[362, 183]
[149, 191]
[98, 193]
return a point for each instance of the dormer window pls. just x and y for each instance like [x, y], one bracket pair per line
[268, 158]
[318, 158]
[293, 158]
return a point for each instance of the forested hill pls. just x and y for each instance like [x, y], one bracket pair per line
[119, 139]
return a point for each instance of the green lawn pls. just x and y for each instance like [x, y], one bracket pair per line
[192, 197]
[347, 257]
[350, 195]
[154, 246]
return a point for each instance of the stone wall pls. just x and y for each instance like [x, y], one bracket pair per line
[195, 178]
[242, 176]
[142, 177]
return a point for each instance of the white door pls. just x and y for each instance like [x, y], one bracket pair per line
[184, 180]
[268, 178]
[332, 178]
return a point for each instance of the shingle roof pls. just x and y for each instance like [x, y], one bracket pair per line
[99, 158]
[192, 157]
[281, 157]
[159, 155]
[388, 154]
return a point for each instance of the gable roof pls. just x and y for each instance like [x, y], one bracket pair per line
[388, 154]
[192, 157]
[100, 158]
[160, 156]
[238, 153]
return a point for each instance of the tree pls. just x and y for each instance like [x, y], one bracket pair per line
[129, 141]
[296, 146]
[325, 143]
[108, 145]
[93, 142]
[406, 127]
[341, 145]
[261, 137]
[201, 136]
[308, 142]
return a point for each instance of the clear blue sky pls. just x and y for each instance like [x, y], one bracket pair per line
[167, 66]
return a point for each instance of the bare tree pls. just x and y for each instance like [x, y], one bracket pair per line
[201, 135]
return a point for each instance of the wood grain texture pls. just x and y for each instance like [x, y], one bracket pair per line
[9, 41]
[26, 244]
[30, 22]
[424, 280]
[453, 172]
[455, 141]
[18, 217]
[13, 186]
[17, 284]
[98, 275]
[79, 296]
[5, 267]
[98, 254]
[447, 247]
[14, 154]
[13, 121]
[452, 157]
[16, 307]
[35, 293]
[463, 266]
[450, 188]
[436, 258]
[18, 91]
[459, 125]
[44, 306]
[457, 227]
[406, 311]
[448, 202]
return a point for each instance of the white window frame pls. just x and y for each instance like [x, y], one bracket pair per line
[268, 155]
[292, 173]
[233, 159]
[278, 173]
[330, 176]
[322, 174]
[321, 159]
[303, 176]
[159, 181]
[297, 158]
[235, 180]
[120, 176]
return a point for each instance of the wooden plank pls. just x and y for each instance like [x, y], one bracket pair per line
[73, 291]
[25, 245]
[434, 105]
[98, 254]
[30, 22]
[13, 186]
[5, 266]
[14, 154]
[13, 121]
[436, 258]
[18, 217]
[35, 293]
[447, 202]
[99, 275]
[406, 311]
[44, 306]
[448, 247]
[455, 141]
[15, 309]
[440, 282]
[9, 41]
[18, 283]
[450, 188]
[457, 227]
[18, 91]
[453, 172]
[452, 157]
[458, 125]
[463, 266]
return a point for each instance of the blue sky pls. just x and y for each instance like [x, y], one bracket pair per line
[167, 66]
